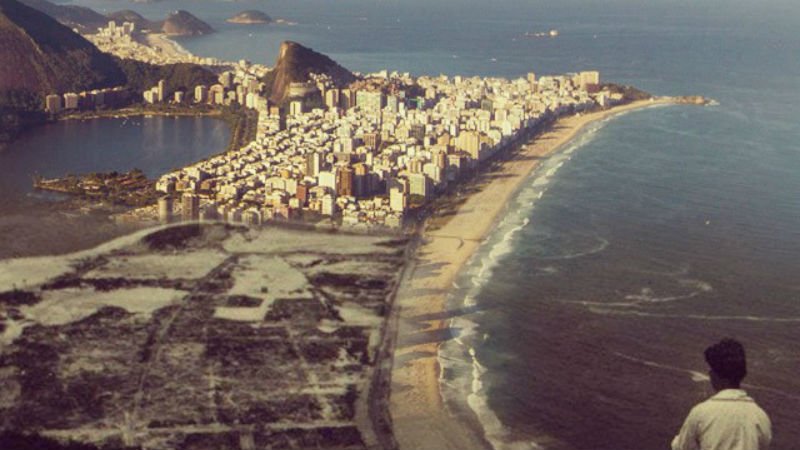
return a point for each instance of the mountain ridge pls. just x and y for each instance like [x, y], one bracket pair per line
[43, 56]
[85, 20]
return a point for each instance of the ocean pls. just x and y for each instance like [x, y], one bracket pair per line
[648, 238]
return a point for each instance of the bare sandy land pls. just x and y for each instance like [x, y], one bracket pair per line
[419, 416]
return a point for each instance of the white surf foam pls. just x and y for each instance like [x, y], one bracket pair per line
[494, 430]
[693, 374]
[700, 377]
[482, 274]
[601, 246]
[478, 272]
[611, 312]
[646, 295]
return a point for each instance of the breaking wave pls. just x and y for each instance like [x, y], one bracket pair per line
[462, 375]
[611, 312]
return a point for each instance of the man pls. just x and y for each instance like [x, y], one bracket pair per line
[730, 420]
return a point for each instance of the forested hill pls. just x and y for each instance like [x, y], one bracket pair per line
[85, 20]
[40, 56]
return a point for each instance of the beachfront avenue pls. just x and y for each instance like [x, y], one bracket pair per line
[373, 150]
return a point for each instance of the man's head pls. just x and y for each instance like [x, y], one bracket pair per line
[728, 365]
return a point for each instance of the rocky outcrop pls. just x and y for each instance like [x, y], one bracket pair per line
[183, 23]
[694, 100]
[294, 66]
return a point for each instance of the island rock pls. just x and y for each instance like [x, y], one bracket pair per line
[250, 18]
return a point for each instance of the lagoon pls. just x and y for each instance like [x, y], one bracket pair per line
[29, 221]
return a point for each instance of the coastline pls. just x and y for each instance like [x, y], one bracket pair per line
[420, 417]
[168, 46]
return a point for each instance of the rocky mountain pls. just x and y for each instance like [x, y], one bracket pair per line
[294, 65]
[251, 17]
[83, 19]
[41, 56]
[183, 23]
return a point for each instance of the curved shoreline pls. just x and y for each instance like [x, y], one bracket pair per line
[133, 112]
[420, 417]
[167, 44]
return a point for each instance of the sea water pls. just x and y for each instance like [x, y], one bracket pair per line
[646, 239]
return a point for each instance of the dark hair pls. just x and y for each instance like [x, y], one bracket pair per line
[727, 360]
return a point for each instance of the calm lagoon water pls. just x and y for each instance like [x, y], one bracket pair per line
[155, 145]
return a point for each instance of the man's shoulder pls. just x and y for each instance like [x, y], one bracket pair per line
[716, 404]
[702, 408]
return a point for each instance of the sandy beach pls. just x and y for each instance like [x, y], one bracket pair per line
[169, 47]
[420, 418]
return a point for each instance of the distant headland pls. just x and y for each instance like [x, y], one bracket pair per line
[183, 23]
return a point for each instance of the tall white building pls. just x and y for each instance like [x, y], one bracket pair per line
[295, 108]
[313, 164]
[328, 205]
[419, 184]
[161, 91]
[327, 179]
[398, 200]
[71, 101]
[200, 94]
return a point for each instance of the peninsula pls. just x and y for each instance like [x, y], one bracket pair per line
[372, 151]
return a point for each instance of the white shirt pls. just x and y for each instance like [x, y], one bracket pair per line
[730, 420]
